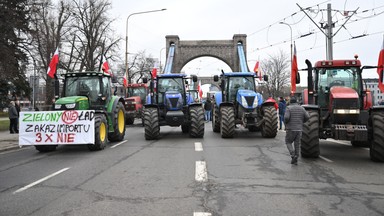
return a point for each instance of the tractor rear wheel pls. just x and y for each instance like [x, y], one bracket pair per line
[269, 127]
[101, 130]
[196, 129]
[227, 123]
[118, 123]
[215, 118]
[377, 142]
[310, 137]
[45, 148]
[151, 124]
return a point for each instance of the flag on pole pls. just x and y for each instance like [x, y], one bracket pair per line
[105, 67]
[53, 64]
[257, 70]
[125, 80]
[380, 68]
[154, 71]
[200, 90]
[294, 70]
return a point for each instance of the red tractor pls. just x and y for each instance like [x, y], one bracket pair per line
[136, 94]
[340, 107]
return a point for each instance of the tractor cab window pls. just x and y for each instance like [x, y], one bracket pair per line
[138, 91]
[167, 85]
[330, 77]
[107, 88]
[236, 83]
[83, 86]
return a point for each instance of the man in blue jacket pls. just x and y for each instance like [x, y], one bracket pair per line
[294, 119]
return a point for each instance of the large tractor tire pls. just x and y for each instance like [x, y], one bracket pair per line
[377, 143]
[227, 123]
[151, 124]
[269, 127]
[310, 147]
[101, 131]
[130, 120]
[118, 123]
[45, 148]
[196, 129]
[215, 118]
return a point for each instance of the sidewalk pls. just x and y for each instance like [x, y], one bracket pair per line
[8, 141]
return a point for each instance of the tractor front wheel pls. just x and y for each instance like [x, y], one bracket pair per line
[101, 130]
[118, 123]
[196, 130]
[227, 123]
[269, 127]
[151, 124]
[377, 142]
[215, 118]
[310, 137]
[45, 148]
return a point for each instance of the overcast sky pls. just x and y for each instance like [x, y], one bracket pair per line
[221, 19]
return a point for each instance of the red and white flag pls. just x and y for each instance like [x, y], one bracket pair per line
[125, 80]
[294, 70]
[200, 90]
[380, 68]
[53, 64]
[154, 71]
[105, 67]
[257, 70]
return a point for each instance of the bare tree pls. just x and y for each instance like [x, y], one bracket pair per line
[92, 35]
[48, 29]
[142, 65]
[277, 67]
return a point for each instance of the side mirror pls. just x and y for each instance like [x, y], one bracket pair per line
[215, 78]
[186, 82]
[265, 78]
[145, 80]
[194, 78]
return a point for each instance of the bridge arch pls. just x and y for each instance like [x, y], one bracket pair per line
[188, 50]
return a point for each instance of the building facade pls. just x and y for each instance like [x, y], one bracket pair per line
[373, 85]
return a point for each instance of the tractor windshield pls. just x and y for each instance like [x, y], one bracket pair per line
[167, 85]
[236, 83]
[138, 91]
[82, 86]
[329, 77]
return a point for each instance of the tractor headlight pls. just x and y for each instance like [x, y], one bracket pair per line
[346, 111]
[244, 102]
[70, 106]
[249, 101]
[57, 106]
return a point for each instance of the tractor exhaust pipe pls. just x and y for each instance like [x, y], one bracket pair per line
[310, 81]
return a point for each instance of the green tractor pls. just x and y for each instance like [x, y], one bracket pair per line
[92, 91]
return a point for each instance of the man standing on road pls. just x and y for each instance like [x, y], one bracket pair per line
[207, 109]
[13, 117]
[294, 118]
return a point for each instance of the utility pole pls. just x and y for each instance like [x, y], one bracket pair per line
[328, 29]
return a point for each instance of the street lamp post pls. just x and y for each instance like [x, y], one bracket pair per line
[126, 37]
[290, 28]
[160, 56]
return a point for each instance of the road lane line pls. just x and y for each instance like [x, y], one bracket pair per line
[201, 171]
[41, 180]
[120, 143]
[326, 159]
[201, 214]
[198, 146]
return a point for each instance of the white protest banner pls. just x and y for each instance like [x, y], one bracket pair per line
[57, 127]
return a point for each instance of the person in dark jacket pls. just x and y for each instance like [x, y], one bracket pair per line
[294, 118]
[13, 117]
[207, 109]
[282, 106]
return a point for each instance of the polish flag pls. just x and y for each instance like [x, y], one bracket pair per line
[154, 71]
[256, 69]
[125, 80]
[105, 66]
[200, 90]
[53, 64]
[294, 70]
[380, 68]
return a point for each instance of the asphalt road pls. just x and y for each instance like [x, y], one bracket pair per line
[178, 175]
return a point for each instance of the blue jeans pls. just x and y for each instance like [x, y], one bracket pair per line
[281, 118]
[207, 114]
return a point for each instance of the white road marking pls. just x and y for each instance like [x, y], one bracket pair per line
[41, 180]
[122, 142]
[201, 171]
[198, 146]
[201, 214]
[326, 159]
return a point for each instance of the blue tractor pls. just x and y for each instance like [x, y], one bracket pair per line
[171, 104]
[239, 103]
